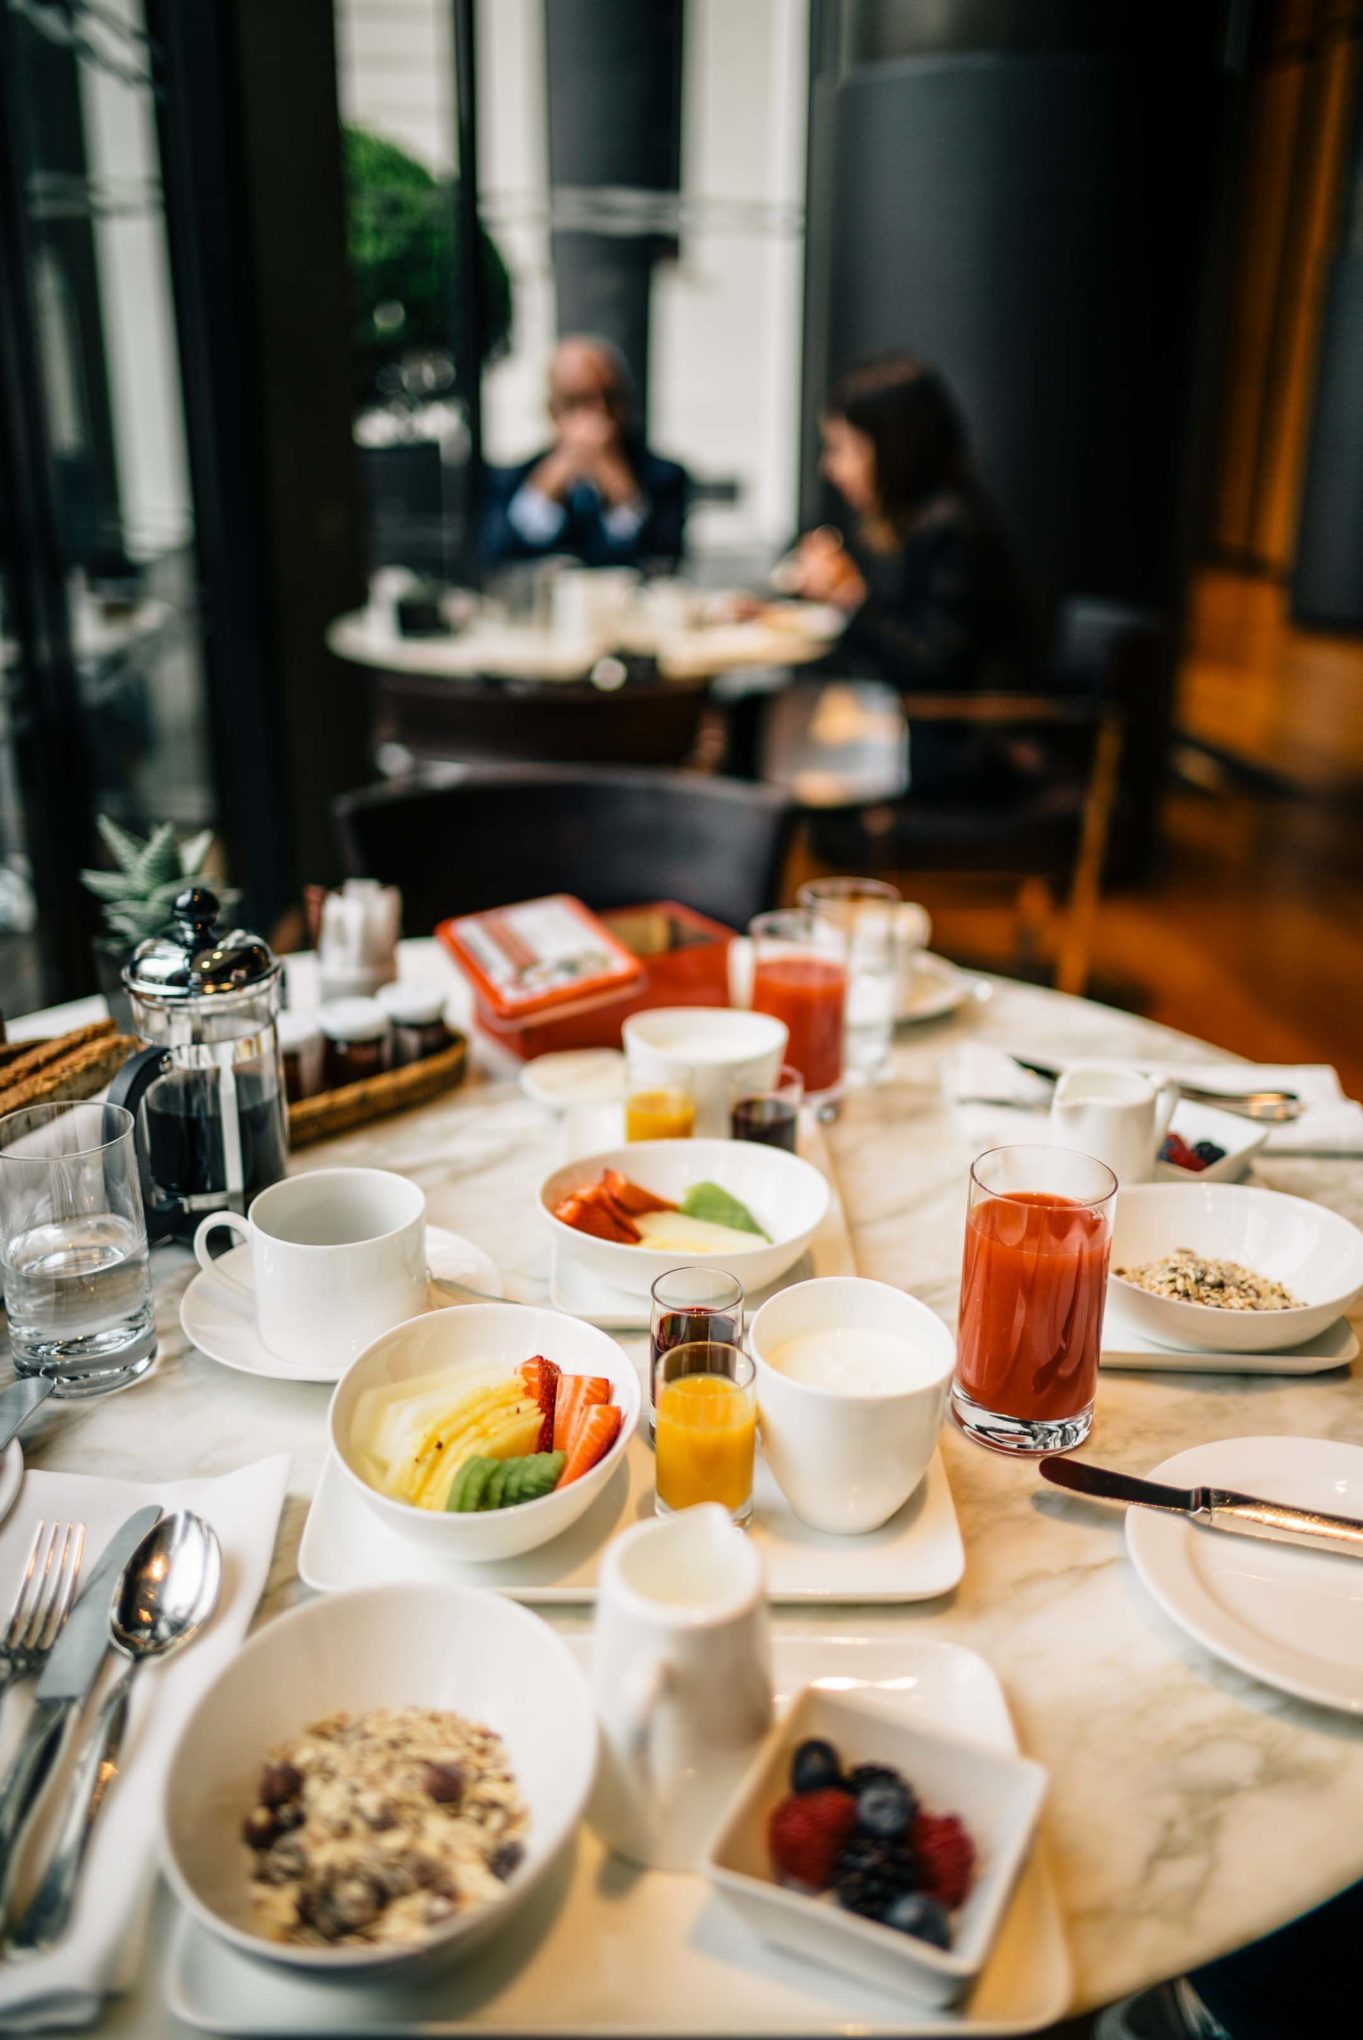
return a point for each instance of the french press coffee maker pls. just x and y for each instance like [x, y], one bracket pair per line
[208, 1094]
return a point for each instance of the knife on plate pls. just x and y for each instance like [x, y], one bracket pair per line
[1215, 1508]
[73, 1666]
[18, 1401]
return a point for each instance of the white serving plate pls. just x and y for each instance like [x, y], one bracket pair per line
[1286, 1615]
[601, 1950]
[1125, 1346]
[221, 1329]
[916, 1556]
[936, 988]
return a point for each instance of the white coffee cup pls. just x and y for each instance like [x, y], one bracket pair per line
[845, 1458]
[707, 1051]
[338, 1256]
[1115, 1114]
[681, 1676]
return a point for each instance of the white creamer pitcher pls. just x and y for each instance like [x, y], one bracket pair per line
[1115, 1114]
[681, 1677]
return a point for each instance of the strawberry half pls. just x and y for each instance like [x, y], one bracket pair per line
[806, 1832]
[632, 1198]
[541, 1386]
[947, 1855]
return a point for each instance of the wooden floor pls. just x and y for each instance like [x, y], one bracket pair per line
[1251, 932]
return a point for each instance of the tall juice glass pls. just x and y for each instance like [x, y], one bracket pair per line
[1037, 1240]
[864, 910]
[800, 976]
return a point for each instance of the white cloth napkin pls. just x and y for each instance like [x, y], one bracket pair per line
[103, 1947]
[1331, 1124]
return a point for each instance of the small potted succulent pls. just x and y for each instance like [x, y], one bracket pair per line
[136, 897]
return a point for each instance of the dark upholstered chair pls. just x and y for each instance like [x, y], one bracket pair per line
[457, 841]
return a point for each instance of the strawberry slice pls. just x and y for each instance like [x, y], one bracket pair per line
[632, 1197]
[541, 1386]
[592, 1440]
[577, 1394]
[585, 1214]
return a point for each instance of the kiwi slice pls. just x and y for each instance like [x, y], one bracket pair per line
[494, 1494]
[454, 1501]
[471, 1484]
[540, 1476]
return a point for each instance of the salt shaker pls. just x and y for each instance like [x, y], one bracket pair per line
[357, 941]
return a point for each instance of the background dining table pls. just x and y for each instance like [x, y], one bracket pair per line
[1191, 1809]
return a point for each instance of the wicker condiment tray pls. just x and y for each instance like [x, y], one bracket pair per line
[351, 1105]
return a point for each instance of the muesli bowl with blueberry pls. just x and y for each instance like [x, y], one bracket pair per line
[377, 1780]
[881, 1846]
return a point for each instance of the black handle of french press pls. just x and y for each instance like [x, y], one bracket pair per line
[128, 1089]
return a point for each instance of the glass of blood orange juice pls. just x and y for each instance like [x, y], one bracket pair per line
[705, 1428]
[1033, 1281]
[800, 975]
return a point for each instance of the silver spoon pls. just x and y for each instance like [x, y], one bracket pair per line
[168, 1590]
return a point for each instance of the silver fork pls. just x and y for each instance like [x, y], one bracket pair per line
[43, 1600]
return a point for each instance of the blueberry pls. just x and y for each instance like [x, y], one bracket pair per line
[1166, 1148]
[885, 1809]
[815, 1767]
[912, 1912]
[862, 1775]
[1208, 1151]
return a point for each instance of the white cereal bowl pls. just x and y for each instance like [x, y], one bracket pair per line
[472, 1653]
[477, 1339]
[705, 1050]
[1317, 1255]
[847, 1462]
[997, 1795]
[787, 1196]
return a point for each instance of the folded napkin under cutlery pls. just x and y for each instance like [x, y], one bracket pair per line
[104, 1947]
[994, 1100]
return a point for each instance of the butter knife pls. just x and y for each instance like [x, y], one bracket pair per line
[73, 1665]
[18, 1401]
[1215, 1508]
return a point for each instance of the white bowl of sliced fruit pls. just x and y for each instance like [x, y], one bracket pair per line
[487, 1429]
[633, 1213]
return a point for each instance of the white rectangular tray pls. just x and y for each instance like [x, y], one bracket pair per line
[1124, 1346]
[604, 1951]
[916, 1556]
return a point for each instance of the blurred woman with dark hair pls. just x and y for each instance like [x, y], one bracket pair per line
[933, 599]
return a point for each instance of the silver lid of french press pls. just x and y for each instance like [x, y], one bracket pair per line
[196, 959]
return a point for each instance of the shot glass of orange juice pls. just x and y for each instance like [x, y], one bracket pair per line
[659, 1114]
[706, 1428]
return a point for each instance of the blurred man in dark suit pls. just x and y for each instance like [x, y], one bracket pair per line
[597, 493]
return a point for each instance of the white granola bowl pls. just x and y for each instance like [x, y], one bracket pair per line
[471, 1653]
[1314, 1252]
[787, 1196]
[478, 1339]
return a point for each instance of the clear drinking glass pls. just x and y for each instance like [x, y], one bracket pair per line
[691, 1304]
[1037, 1240]
[864, 910]
[800, 976]
[770, 1113]
[73, 1247]
[706, 1435]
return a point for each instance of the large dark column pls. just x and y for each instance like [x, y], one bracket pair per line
[1327, 585]
[614, 159]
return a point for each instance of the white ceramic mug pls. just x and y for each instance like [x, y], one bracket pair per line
[847, 1457]
[338, 1256]
[681, 1676]
[706, 1051]
[1115, 1114]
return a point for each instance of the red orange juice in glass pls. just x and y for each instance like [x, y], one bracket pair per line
[1033, 1283]
[800, 976]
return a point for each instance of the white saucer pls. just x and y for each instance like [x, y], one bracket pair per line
[916, 1556]
[1125, 1346]
[600, 1951]
[213, 1321]
[575, 1076]
[11, 1476]
[937, 987]
[1288, 1616]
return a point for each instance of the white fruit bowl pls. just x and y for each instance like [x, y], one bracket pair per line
[477, 1339]
[1314, 1252]
[787, 1196]
[454, 1648]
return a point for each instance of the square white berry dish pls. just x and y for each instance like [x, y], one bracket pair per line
[863, 1840]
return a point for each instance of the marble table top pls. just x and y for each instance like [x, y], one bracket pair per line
[1191, 1809]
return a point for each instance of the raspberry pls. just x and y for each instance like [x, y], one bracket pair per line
[805, 1835]
[946, 1854]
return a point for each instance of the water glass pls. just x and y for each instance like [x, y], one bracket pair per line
[800, 976]
[691, 1304]
[706, 1428]
[769, 1113]
[1037, 1240]
[73, 1247]
[865, 910]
